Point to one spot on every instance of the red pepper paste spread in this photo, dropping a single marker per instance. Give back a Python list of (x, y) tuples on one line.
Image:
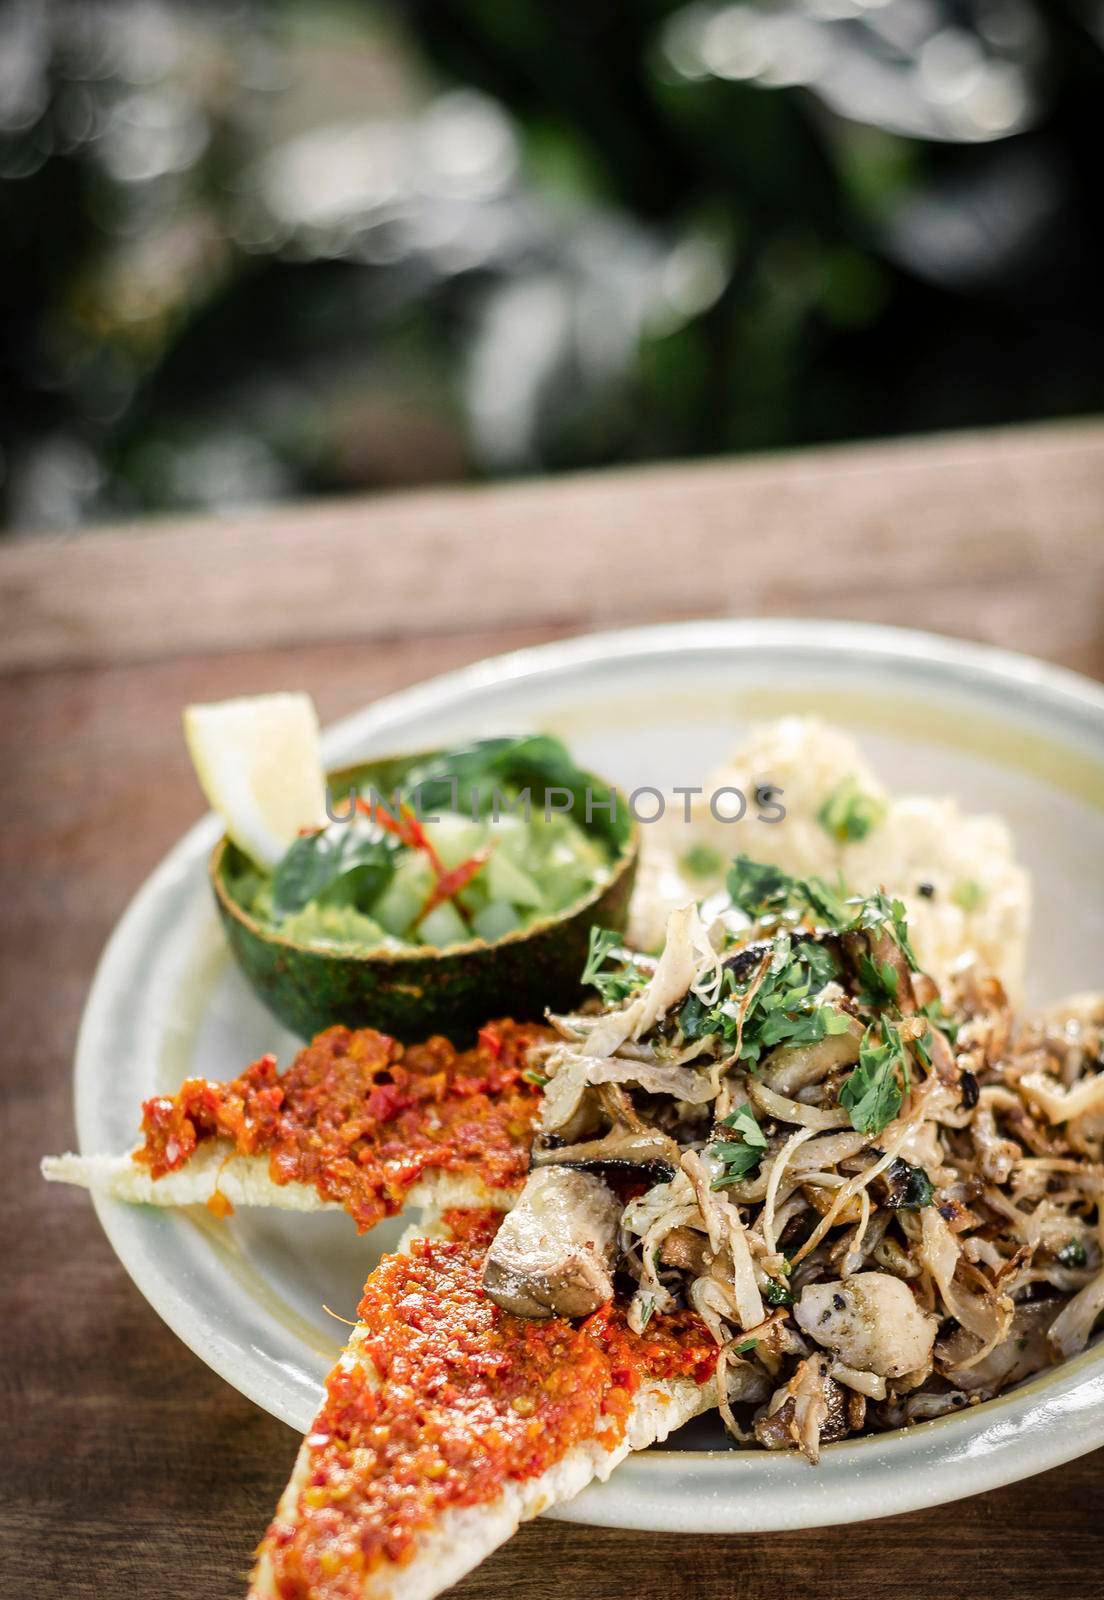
[(443, 1399), (362, 1118)]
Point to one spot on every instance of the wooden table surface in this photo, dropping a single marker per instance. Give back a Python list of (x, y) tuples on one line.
[(128, 1468)]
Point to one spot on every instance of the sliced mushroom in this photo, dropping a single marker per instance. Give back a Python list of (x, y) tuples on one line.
[(744, 963), (554, 1253), (870, 1320), (1023, 1352), (649, 1153), (675, 971), (686, 1249), (903, 1186), (794, 1067), (809, 1411)]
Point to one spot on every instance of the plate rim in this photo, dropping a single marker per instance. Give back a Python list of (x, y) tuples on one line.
[(641, 1495)]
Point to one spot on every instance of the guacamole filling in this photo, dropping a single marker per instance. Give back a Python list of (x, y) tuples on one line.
[(468, 844)]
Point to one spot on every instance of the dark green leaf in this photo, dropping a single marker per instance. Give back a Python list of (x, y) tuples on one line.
[(879, 983), (467, 779), (341, 862), (941, 1019), (695, 1018), (784, 1008), (742, 1155), (757, 888), (873, 1093), (605, 945)]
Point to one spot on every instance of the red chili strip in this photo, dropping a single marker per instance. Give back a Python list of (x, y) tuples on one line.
[(449, 884)]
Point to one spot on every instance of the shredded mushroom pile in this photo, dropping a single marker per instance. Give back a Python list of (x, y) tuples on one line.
[(883, 1202)]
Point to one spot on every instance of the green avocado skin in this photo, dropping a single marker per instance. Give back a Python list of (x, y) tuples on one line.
[(412, 997), (451, 992)]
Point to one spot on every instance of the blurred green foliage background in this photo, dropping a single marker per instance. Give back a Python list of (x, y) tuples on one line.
[(251, 251)]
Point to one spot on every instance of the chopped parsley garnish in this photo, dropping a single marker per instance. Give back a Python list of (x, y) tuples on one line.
[(941, 1019), (742, 1349), (647, 1310), (606, 945), (533, 1076), (778, 1006), (740, 1155), (967, 895), (879, 983), (848, 814), (759, 890), (702, 861), (873, 1094), (879, 911), (777, 1294), (1073, 1254), (695, 1018)]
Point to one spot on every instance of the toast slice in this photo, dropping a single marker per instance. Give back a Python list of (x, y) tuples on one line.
[(356, 1122), (217, 1177), (448, 1422)]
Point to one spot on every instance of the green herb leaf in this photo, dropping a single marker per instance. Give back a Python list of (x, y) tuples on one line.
[(743, 1121), (879, 983), (823, 901), (342, 862), (741, 1155), (468, 778), (757, 888), (777, 1294), (873, 1094), (941, 1019), (745, 1347), (784, 1008), (848, 814), (1073, 1254), (695, 1019), (605, 945), (879, 911)]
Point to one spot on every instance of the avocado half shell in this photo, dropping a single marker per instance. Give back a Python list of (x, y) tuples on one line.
[(416, 992)]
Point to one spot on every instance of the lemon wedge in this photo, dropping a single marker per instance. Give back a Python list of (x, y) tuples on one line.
[(258, 762)]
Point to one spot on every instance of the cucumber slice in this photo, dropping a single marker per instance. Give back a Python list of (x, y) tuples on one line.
[(443, 926), (455, 838), (398, 906), (507, 881), (511, 837), (496, 920)]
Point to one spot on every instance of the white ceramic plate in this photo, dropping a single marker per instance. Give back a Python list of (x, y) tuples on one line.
[(659, 706)]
